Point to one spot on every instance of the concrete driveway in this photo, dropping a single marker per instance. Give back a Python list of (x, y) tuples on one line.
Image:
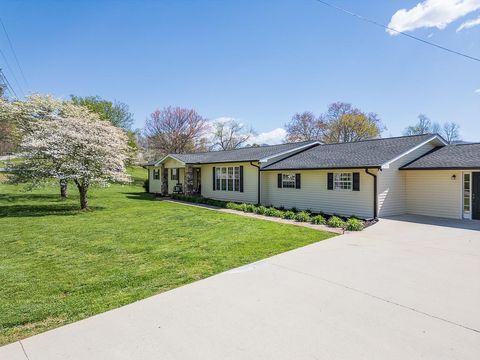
[(406, 288)]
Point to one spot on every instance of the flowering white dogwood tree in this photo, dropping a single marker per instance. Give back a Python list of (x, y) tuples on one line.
[(81, 150), (23, 114)]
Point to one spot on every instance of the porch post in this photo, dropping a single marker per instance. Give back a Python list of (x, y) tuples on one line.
[(164, 188), (189, 180)]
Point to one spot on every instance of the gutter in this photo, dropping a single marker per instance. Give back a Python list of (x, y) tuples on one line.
[(258, 185), (375, 197)]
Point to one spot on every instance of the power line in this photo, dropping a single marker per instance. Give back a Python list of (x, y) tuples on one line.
[(3, 79), (373, 22), (11, 71), (13, 52)]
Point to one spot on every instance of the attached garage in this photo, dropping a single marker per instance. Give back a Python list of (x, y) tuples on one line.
[(445, 182)]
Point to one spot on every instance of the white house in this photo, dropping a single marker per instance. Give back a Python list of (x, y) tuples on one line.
[(373, 178)]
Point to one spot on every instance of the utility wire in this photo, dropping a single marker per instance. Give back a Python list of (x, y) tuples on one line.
[(11, 71), (14, 53), (7, 83), (373, 22)]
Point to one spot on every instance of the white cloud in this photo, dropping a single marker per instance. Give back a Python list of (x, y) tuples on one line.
[(431, 14), (477, 91), (469, 24), (273, 137)]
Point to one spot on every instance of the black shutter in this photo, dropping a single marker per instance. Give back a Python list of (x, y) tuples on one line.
[(297, 181), (214, 179), (241, 178), (356, 181), (279, 180), (330, 181)]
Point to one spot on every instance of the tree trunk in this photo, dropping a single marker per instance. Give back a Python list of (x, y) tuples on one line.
[(63, 189), (83, 189)]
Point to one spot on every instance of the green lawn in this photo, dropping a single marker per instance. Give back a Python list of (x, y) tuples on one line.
[(59, 265)]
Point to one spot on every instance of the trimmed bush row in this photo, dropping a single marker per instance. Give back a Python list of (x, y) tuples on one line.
[(199, 200), (352, 224)]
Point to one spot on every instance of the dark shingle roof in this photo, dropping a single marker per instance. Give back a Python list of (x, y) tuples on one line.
[(460, 156), (243, 154), (367, 153)]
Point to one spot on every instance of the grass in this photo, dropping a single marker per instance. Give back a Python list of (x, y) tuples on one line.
[(59, 265)]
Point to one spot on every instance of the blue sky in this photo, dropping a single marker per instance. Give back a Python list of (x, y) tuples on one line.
[(257, 61)]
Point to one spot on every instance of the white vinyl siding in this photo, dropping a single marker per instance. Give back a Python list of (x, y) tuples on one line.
[(154, 186), (434, 193), (314, 195), (250, 188), (391, 184)]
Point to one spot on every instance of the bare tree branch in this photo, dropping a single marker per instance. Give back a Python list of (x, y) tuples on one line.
[(230, 134)]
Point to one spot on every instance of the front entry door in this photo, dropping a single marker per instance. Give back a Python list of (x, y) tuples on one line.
[(476, 195)]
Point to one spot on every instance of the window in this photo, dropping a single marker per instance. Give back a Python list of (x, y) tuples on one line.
[(466, 193), (174, 175), (342, 181), (224, 179), (156, 174), (230, 179), (227, 178), (288, 181), (236, 178), (217, 178)]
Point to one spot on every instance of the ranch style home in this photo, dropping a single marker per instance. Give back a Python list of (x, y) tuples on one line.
[(418, 174)]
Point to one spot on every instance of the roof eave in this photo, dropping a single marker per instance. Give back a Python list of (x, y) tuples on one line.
[(442, 168), (326, 168)]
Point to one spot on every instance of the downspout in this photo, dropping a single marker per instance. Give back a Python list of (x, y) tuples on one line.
[(258, 185), (375, 197)]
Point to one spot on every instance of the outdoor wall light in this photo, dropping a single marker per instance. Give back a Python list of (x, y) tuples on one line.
[(454, 177)]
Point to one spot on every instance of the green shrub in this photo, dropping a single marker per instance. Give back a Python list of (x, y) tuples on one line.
[(279, 213), (271, 211), (289, 215), (146, 185), (250, 208), (232, 206), (302, 216), (335, 221), (261, 210), (354, 224), (318, 220)]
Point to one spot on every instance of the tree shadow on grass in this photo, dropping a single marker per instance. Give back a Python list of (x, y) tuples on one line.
[(8, 198), (140, 196), (42, 210)]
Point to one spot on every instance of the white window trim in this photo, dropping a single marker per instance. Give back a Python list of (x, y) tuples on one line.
[(466, 215), (289, 181), (218, 176), (351, 181)]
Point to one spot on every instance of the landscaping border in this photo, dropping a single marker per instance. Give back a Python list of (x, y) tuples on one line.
[(326, 222)]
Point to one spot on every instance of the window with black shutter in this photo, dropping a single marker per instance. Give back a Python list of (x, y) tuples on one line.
[(330, 181), (297, 181), (356, 181)]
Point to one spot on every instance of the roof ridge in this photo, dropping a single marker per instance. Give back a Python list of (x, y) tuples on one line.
[(463, 144), (246, 147), (378, 139)]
